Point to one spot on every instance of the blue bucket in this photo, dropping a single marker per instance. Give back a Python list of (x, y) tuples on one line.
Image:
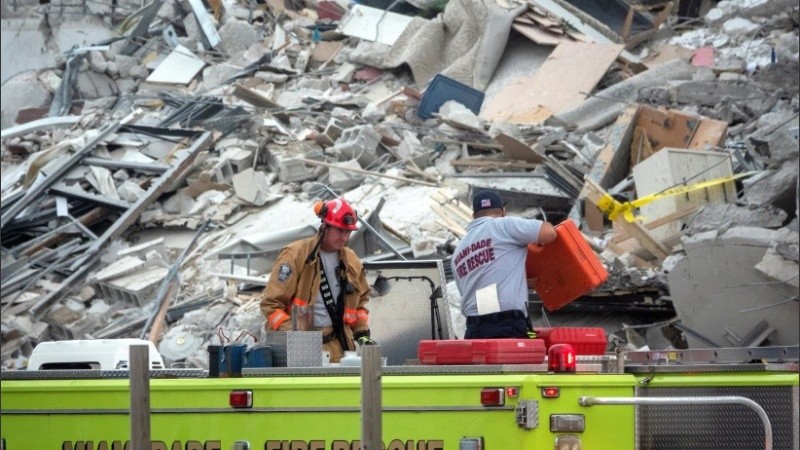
[(258, 356), (232, 360)]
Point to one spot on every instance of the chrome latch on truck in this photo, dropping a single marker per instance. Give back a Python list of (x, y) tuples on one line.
[(527, 413)]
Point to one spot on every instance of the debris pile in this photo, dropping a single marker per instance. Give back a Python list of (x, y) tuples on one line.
[(156, 158)]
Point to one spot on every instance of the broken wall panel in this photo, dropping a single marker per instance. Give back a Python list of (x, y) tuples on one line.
[(531, 99)]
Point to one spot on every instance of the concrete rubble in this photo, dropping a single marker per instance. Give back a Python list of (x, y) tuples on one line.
[(160, 160)]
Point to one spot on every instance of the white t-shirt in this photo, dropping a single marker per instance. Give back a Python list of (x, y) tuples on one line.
[(494, 251), (330, 261)]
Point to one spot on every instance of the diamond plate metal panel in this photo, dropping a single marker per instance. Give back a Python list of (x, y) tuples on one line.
[(716, 427), (295, 348), (405, 315)]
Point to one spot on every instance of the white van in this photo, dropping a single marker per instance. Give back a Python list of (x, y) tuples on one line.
[(103, 354)]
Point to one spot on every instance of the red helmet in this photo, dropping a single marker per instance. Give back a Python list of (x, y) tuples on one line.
[(337, 213)]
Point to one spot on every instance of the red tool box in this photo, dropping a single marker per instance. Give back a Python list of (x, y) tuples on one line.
[(585, 340), (565, 269), (482, 351)]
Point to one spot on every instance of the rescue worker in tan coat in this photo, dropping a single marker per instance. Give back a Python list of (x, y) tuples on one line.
[(322, 283)]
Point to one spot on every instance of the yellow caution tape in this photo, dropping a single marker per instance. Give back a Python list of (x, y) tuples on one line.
[(613, 208)]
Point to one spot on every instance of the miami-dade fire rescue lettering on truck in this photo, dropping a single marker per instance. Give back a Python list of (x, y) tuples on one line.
[(395, 444)]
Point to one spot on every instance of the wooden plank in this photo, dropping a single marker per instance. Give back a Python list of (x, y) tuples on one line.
[(564, 80), (670, 128), (476, 144), (594, 193), (453, 212), (254, 97), (365, 172), (461, 209), (667, 53), (326, 50), (656, 223), (457, 231), (543, 21), (537, 34), (593, 217), (453, 225), (492, 163), (516, 149), (524, 19)]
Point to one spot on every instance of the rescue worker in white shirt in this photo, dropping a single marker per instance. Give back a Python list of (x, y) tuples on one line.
[(322, 283), (491, 258)]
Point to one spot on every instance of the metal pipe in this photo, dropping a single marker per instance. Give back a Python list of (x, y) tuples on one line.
[(369, 227), (261, 281), (721, 400)]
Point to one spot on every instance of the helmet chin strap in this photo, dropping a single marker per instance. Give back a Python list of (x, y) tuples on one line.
[(313, 255)]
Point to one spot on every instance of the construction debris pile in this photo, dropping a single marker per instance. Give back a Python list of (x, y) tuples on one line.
[(156, 157)]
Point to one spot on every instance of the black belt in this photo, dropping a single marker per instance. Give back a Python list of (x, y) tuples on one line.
[(328, 337), (514, 314)]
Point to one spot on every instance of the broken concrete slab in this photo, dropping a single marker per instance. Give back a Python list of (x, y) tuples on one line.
[(774, 187), (712, 92), (360, 143), (776, 139), (779, 268), (717, 290), (343, 175), (137, 288), (21, 92), (253, 187), (717, 216), (602, 108), (236, 36), (45, 41), (125, 265)]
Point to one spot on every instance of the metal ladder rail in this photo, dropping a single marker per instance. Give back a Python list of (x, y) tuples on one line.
[(714, 400)]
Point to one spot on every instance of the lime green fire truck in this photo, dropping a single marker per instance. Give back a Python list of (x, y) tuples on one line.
[(735, 398)]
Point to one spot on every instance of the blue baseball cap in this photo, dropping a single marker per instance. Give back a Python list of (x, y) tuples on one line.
[(486, 200)]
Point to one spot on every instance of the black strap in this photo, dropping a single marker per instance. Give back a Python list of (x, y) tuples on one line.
[(513, 314), (336, 313)]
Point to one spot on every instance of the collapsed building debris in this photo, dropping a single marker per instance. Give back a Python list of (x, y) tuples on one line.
[(152, 172)]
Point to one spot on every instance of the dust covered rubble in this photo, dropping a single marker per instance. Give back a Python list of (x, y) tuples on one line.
[(290, 114)]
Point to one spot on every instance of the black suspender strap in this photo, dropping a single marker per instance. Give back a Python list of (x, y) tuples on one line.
[(337, 314)]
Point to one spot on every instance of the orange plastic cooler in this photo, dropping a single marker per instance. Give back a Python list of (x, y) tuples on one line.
[(565, 269)]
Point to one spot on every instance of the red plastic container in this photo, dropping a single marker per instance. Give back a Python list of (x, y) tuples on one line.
[(482, 351), (585, 340), (565, 269)]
